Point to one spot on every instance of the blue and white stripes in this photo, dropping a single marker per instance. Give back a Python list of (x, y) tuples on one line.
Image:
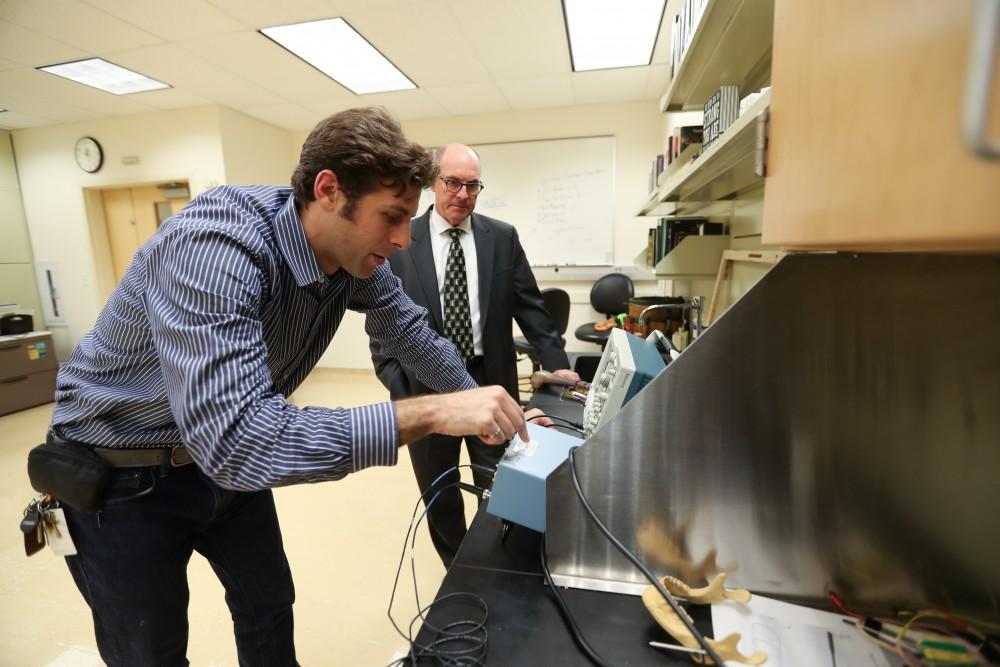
[(223, 313)]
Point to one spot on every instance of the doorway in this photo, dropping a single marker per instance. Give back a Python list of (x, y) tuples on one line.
[(133, 214)]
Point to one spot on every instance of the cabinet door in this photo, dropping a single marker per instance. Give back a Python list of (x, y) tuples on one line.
[(865, 148)]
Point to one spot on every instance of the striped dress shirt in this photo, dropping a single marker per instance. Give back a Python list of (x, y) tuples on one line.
[(220, 316)]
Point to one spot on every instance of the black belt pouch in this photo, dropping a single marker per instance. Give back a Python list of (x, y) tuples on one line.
[(71, 472)]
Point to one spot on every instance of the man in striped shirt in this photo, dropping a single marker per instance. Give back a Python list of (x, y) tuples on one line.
[(223, 313)]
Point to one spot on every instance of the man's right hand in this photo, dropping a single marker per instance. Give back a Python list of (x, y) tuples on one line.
[(488, 413)]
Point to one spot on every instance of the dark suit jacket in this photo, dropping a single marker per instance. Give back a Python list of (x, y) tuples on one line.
[(507, 291)]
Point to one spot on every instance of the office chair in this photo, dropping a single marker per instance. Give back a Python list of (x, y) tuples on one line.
[(557, 303), (609, 295)]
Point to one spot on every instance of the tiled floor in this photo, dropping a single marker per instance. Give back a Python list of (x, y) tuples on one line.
[(343, 540)]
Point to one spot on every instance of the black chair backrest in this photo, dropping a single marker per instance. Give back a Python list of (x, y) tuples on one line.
[(557, 303), (610, 294)]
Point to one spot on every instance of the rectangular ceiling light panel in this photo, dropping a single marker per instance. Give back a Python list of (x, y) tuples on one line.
[(109, 77), (604, 35), (335, 48)]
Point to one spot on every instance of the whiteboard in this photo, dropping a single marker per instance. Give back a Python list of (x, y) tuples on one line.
[(558, 193)]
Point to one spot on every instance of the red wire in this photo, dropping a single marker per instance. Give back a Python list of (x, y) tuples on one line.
[(840, 605)]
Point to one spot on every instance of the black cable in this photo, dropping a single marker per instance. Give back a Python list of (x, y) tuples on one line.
[(569, 424), (566, 614), (471, 640), (681, 614)]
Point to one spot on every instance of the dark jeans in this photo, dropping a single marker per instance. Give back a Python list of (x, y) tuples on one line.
[(131, 566)]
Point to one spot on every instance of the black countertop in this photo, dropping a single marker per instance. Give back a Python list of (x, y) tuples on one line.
[(524, 624)]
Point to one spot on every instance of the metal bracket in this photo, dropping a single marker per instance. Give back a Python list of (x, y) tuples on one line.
[(978, 85), (760, 149)]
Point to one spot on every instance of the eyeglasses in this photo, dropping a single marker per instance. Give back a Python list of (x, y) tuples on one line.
[(454, 186)]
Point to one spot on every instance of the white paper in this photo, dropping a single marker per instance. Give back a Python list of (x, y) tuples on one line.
[(57, 536), (793, 636)]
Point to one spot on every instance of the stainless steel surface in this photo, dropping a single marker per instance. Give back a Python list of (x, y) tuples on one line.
[(983, 50), (837, 429)]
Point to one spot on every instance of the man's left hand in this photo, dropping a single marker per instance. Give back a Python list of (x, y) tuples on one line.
[(567, 374), (532, 416)]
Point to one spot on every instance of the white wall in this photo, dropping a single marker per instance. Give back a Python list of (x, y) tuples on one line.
[(637, 130), (186, 144), (254, 151)]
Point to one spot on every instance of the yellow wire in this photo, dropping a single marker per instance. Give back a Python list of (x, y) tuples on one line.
[(914, 619), (968, 619)]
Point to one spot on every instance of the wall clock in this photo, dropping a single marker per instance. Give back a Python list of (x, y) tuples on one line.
[(89, 155)]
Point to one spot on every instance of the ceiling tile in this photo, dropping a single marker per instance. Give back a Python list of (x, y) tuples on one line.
[(33, 49), (192, 74), (466, 57), (172, 98), (516, 38), (287, 116), (174, 20), (256, 58), (424, 41), (470, 98), (66, 21), (609, 85), (257, 14), (29, 103), (12, 120), (349, 6), (555, 90), (404, 104)]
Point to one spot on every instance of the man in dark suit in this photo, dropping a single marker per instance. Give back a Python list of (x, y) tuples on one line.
[(470, 272)]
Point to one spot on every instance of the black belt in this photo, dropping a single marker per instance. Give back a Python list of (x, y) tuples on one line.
[(122, 457), (142, 458)]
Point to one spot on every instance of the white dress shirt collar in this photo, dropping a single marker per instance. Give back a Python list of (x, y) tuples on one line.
[(439, 225)]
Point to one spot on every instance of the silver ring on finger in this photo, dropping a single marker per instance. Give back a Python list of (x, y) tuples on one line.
[(498, 433)]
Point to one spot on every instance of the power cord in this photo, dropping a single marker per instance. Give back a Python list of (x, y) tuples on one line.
[(566, 614), (709, 651), (568, 424), (461, 643)]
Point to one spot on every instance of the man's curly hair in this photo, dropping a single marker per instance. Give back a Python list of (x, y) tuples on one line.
[(365, 147)]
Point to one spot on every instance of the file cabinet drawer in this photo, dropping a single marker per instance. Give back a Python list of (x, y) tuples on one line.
[(26, 391), (24, 355)]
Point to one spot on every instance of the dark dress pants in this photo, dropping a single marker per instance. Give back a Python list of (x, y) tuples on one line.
[(432, 456), (132, 557)]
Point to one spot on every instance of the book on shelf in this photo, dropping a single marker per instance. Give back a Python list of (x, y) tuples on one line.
[(681, 229), (687, 155), (721, 110), (682, 29), (680, 138), (669, 232)]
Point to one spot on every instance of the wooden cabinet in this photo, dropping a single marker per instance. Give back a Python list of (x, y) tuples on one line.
[(27, 371), (865, 143)]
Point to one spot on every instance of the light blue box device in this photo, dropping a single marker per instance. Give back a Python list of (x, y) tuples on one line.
[(518, 493)]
